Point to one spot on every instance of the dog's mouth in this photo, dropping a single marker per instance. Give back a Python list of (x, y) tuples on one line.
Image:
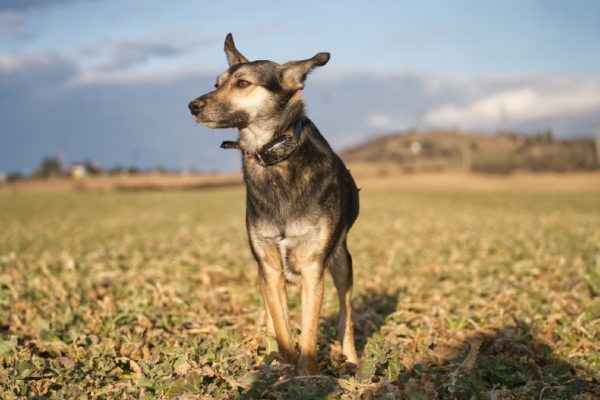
[(207, 123), (206, 120), (215, 124), (235, 120)]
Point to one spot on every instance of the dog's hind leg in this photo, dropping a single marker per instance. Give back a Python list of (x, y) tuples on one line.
[(341, 271)]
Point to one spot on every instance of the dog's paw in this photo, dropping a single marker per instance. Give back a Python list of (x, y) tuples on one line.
[(307, 366), (351, 357)]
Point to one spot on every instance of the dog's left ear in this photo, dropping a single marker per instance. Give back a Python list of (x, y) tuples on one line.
[(233, 55), (295, 72)]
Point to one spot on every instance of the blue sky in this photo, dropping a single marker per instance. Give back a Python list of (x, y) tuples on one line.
[(463, 37), (108, 80)]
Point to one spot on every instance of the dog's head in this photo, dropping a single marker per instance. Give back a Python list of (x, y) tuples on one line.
[(251, 92)]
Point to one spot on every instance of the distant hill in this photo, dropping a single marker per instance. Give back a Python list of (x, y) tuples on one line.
[(499, 153)]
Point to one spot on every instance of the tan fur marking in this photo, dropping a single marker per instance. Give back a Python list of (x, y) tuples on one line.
[(272, 285)]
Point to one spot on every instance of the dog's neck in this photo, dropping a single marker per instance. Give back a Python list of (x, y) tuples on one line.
[(269, 142)]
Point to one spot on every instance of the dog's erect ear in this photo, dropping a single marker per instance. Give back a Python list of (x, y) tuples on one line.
[(295, 72), (233, 55)]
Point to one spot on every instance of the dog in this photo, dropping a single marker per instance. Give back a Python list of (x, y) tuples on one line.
[(301, 200)]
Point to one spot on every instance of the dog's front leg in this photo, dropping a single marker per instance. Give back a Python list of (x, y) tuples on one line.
[(312, 297), (269, 319), (272, 285), (276, 299)]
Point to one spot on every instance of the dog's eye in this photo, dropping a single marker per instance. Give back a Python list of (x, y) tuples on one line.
[(216, 85), (242, 83)]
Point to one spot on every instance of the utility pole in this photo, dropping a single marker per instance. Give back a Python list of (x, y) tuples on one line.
[(420, 117), (61, 154)]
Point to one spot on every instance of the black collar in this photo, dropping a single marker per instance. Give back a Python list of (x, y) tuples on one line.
[(276, 150)]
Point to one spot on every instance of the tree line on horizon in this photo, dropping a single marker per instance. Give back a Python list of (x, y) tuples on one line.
[(413, 150)]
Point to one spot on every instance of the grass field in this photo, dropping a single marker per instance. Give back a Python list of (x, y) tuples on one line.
[(458, 294)]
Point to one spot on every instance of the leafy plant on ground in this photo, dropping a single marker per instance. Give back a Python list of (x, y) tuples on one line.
[(154, 295)]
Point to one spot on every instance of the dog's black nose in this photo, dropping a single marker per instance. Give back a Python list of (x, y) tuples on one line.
[(196, 106)]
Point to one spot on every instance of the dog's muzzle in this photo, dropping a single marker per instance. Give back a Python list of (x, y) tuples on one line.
[(196, 106)]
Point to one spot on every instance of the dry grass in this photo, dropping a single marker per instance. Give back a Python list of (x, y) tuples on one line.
[(459, 294), (368, 175), (104, 183), (390, 176)]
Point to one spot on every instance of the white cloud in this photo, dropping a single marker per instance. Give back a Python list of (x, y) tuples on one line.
[(558, 98), (14, 62), (379, 121), (131, 76), (137, 60), (131, 52), (132, 60)]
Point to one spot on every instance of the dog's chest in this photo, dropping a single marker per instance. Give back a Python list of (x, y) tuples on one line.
[(300, 243), (279, 194)]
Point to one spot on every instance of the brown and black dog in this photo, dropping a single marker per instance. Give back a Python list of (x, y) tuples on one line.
[(301, 199)]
